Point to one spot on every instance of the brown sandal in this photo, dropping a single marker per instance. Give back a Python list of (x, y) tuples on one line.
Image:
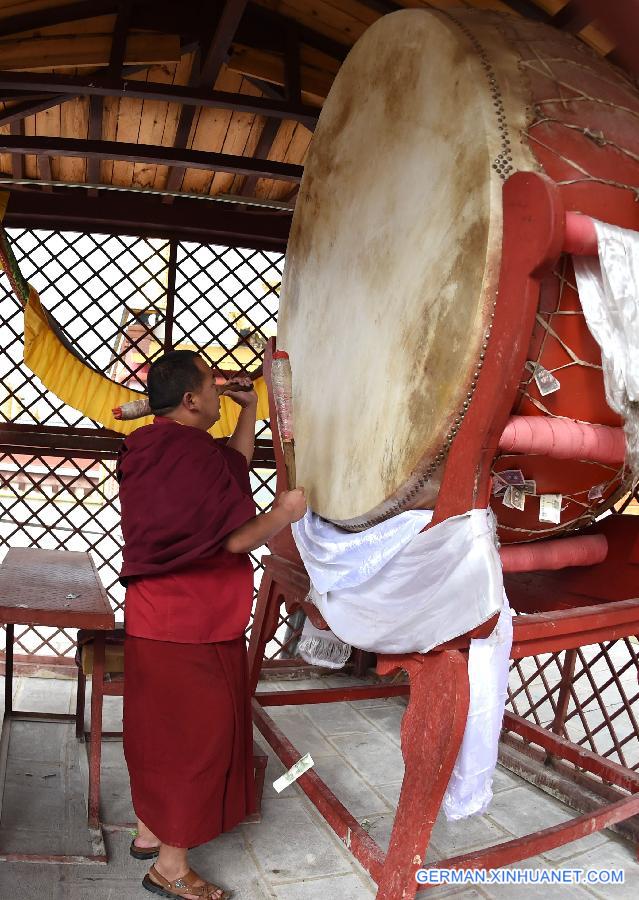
[(143, 852), (161, 886)]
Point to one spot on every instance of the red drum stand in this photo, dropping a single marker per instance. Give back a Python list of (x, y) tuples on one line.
[(556, 610)]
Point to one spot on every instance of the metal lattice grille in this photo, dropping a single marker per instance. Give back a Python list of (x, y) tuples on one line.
[(113, 302), (226, 303), (56, 503), (602, 693)]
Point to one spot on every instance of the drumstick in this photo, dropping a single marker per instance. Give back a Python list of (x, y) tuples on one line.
[(281, 379)]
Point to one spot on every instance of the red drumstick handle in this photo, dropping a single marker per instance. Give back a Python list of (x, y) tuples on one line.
[(134, 409), (581, 235), (282, 381)]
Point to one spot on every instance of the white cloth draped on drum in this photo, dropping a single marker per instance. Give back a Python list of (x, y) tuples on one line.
[(397, 589), (609, 294)]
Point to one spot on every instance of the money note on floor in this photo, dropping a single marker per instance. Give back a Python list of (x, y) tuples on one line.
[(302, 765)]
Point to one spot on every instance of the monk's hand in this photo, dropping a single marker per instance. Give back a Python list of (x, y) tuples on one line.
[(245, 396), (292, 503)]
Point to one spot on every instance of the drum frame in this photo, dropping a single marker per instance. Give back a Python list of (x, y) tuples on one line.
[(438, 689)]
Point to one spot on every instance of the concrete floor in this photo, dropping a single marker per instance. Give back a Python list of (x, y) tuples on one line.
[(293, 854)]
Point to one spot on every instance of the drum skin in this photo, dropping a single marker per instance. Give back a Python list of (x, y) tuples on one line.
[(393, 260)]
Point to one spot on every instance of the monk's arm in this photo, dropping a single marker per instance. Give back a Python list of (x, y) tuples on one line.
[(288, 507), (243, 438)]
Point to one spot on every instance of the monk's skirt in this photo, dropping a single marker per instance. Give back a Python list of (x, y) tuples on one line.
[(188, 737)]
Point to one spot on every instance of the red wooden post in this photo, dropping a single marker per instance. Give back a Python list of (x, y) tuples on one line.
[(95, 748), (8, 670), (567, 672), (80, 700), (432, 731), (264, 625)]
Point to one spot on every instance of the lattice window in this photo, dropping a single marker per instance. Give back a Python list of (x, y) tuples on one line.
[(603, 694), (56, 503), (107, 293), (226, 303), (110, 297)]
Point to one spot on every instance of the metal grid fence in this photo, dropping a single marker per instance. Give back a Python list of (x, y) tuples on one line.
[(593, 706), (119, 302)]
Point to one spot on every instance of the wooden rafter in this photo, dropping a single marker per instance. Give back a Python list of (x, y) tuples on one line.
[(206, 76), (264, 145), (292, 66), (290, 51), (55, 15), (259, 26), (277, 108), (169, 17), (112, 213), (17, 160), (114, 73), (155, 155), (44, 168), (27, 108), (219, 47)]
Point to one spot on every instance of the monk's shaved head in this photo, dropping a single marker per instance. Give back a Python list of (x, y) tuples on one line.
[(171, 377)]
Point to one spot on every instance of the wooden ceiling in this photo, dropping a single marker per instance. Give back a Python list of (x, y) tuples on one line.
[(194, 99)]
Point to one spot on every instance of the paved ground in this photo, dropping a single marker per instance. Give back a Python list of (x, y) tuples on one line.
[(293, 854)]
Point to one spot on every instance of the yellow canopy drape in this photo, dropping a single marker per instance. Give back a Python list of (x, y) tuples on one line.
[(91, 393)]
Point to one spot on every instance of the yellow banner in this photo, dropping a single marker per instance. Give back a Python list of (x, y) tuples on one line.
[(91, 393)]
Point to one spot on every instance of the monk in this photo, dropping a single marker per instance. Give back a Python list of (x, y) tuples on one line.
[(189, 522)]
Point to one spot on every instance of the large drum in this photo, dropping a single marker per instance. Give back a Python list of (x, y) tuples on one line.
[(395, 250)]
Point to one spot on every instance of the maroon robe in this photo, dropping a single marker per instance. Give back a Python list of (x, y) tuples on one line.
[(187, 721), (181, 494)]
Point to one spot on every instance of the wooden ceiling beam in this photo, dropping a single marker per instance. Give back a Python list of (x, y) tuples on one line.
[(203, 221), (66, 88), (89, 51), (292, 66), (118, 43), (44, 169), (264, 145), (169, 17), (114, 73), (17, 159), (29, 108), (272, 91), (265, 18), (55, 15), (219, 47), (96, 109), (259, 27), (206, 76), (154, 155), (16, 94)]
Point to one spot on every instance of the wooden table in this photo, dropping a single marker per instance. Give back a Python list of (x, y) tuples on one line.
[(60, 589)]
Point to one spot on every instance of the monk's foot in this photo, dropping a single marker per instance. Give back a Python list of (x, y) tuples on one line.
[(145, 844), (145, 837)]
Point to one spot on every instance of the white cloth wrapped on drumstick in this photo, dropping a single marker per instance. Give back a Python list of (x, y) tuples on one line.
[(396, 589)]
